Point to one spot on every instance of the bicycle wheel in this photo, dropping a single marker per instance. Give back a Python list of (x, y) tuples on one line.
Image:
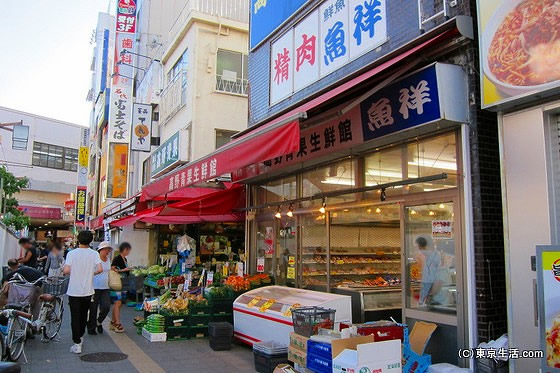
[(15, 340), (54, 320)]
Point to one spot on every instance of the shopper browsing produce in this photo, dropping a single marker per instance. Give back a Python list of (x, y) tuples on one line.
[(120, 265), (101, 298)]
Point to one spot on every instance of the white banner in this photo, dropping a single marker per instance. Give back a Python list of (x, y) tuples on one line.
[(141, 131), (327, 39), (120, 110)]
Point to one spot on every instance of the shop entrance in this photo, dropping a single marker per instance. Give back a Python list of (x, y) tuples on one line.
[(432, 265)]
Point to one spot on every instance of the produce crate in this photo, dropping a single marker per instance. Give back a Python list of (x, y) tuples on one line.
[(222, 308), (266, 363), (319, 364), (198, 332), (196, 308), (220, 329), (176, 320), (319, 349), (148, 313), (220, 343), (154, 337), (177, 333), (222, 317), (199, 319)]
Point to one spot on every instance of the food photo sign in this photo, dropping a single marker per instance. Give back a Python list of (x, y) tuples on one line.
[(548, 283), (520, 49)]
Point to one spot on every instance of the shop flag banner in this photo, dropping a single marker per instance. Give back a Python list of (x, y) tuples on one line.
[(141, 132), (166, 155), (327, 39), (83, 158), (268, 15), (518, 63), (81, 198), (548, 288)]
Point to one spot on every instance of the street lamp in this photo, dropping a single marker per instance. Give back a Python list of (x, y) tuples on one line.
[(20, 134)]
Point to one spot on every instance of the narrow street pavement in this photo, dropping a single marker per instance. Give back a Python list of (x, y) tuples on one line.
[(143, 356)]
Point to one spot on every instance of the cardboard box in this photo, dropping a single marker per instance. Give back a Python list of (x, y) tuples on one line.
[(420, 336), (154, 337), (298, 341), (415, 344), (295, 355), (362, 354)]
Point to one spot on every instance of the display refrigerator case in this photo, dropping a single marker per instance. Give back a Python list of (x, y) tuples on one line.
[(264, 314), (371, 304)]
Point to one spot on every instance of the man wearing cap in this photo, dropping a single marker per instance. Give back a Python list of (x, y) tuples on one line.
[(101, 297)]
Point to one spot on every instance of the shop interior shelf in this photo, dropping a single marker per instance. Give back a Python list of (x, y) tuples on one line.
[(352, 254), (353, 263)]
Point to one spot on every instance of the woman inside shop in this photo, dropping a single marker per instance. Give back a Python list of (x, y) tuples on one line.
[(433, 273), (120, 265)]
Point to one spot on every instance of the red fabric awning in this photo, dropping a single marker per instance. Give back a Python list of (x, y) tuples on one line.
[(225, 218), (219, 203), (192, 192), (268, 143), (96, 223)]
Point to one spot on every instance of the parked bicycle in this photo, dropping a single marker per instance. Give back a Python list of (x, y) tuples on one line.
[(20, 319)]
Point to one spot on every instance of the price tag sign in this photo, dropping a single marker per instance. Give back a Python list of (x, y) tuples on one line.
[(188, 281), (267, 305), (254, 302), (292, 261), (240, 266), (288, 312), (225, 269), (209, 279), (291, 273), (260, 264)]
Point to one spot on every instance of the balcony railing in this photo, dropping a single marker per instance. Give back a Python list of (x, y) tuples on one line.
[(231, 85), (236, 10), (173, 97)]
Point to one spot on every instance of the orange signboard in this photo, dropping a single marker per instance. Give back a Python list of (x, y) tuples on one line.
[(117, 171)]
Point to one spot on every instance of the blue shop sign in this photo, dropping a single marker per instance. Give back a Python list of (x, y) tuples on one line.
[(268, 15), (434, 93)]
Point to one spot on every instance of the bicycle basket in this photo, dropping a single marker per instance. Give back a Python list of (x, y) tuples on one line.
[(56, 285), (22, 294)]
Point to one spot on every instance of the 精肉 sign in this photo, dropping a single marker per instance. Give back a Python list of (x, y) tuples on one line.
[(328, 38)]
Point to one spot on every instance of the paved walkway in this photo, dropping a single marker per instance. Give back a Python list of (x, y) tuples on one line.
[(143, 356)]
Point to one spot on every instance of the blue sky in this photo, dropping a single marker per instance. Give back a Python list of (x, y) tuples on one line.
[(46, 55)]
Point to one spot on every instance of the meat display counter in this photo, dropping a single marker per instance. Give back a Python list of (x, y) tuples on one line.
[(373, 303), (264, 314)]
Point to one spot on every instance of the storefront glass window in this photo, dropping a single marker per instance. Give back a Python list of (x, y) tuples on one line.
[(384, 167), (430, 256), (287, 247), (337, 176), (430, 157), (277, 191), (265, 241), (366, 248), (314, 243)]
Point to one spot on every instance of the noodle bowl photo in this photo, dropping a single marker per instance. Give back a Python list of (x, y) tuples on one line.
[(523, 46)]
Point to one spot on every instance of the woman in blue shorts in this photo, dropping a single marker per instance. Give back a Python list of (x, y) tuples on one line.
[(120, 265)]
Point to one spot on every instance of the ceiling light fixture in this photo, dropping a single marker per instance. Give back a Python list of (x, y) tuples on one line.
[(323, 209), (290, 211), (378, 210), (383, 195), (278, 214)]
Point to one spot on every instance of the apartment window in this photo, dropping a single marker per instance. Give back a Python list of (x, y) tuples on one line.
[(223, 137), (179, 67), (231, 72), (54, 156)]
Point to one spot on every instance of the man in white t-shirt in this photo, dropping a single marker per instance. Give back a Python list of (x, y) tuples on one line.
[(81, 264)]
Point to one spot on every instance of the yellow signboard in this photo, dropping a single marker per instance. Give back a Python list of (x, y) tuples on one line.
[(83, 156)]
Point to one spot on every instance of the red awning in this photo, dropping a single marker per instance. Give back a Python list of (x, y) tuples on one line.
[(219, 203), (274, 141), (225, 218), (192, 192)]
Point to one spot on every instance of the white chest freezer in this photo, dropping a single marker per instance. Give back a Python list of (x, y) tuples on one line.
[(260, 314)]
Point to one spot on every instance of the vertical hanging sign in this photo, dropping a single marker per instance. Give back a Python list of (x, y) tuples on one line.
[(120, 105), (141, 131), (81, 188)]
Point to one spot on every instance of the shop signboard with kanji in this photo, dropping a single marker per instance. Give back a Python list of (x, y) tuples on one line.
[(328, 38), (435, 93), (167, 154), (126, 16), (141, 132), (268, 15), (81, 196)]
